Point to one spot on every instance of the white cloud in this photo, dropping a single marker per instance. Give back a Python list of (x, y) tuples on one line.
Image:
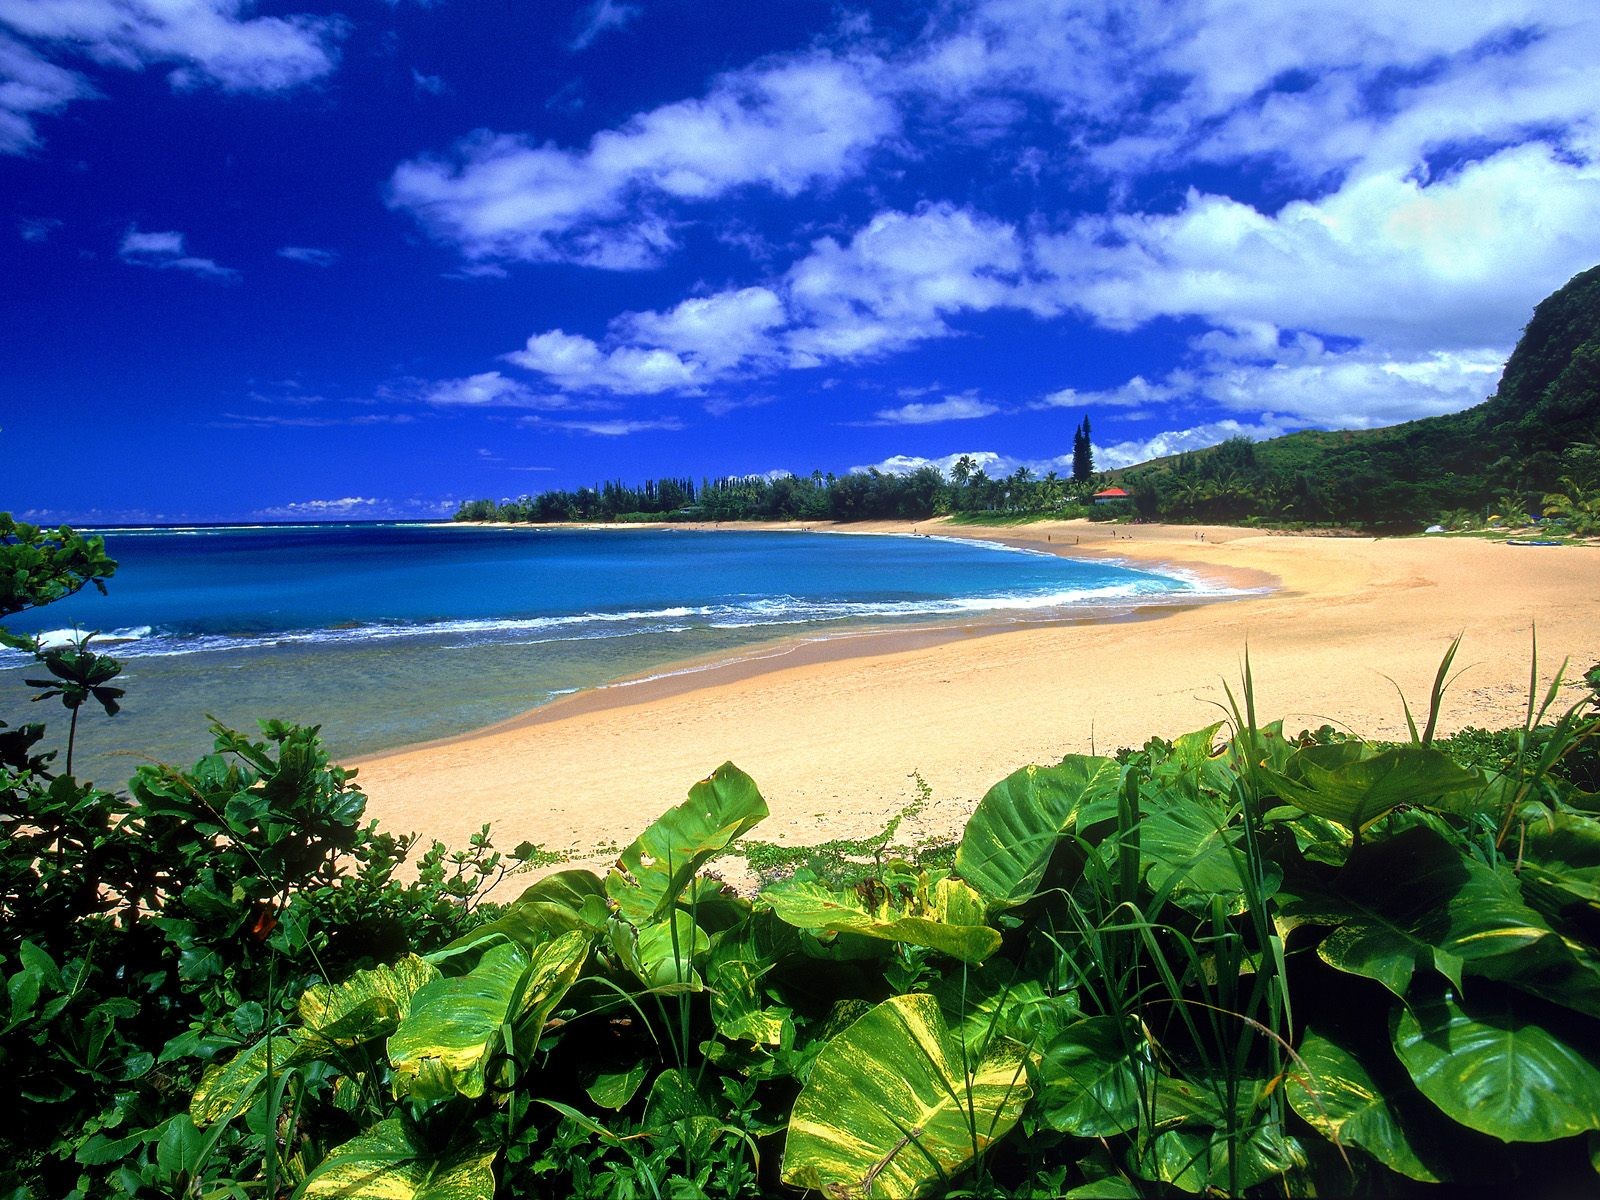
[(966, 407), (1138, 392), (992, 464), (1456, 263), (576, 363), (718, 333), (599, 17), (214, 42), (30, 85), (359, 508), (619, 427), (897, 280), (490, 389), (165, 251), (785, 127), (1176, 441), (428, 85), (309, 255)]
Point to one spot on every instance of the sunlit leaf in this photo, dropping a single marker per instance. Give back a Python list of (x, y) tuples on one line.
[(944, 915), (385, 1163), (1499, 1072), (889, 1107), (1334, 1093), (657, 866), (1015, 828)]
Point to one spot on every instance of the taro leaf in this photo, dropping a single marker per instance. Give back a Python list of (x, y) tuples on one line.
[(1563, 854), (386, 1163), (455, 1027), (1191, 759), (944, 915), (664, 952), (1495, 1071), (1350, 784), (889, 1107), (738, 1009), (555, 905), (614, 1089), (1088, 1083), (1196, 1160), (1188, 849), (1414, 901), (1334, 1094), (659, 864), (1015, 828), (992, 1001), (226, 1089), (368, 1005)]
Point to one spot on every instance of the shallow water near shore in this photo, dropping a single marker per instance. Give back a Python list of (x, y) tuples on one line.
[(393, 634)]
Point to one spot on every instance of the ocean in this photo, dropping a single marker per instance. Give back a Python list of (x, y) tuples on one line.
[(387, 634)]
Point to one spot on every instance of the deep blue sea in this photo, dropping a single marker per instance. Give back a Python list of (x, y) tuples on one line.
[(395, 633)]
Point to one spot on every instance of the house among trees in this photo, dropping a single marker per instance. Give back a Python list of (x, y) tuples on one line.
[(1110, 494)]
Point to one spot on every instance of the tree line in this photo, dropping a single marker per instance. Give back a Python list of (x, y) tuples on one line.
[(855, 496)]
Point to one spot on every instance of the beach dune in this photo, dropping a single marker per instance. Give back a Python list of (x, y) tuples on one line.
[(833, 731)]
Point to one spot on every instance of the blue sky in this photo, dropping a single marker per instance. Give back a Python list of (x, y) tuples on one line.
[(287, 260)]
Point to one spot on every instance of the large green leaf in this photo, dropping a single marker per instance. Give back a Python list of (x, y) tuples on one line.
[(1088, 1083), (456, 1025), (889, 1107), (1494, 1070), (554, 905), (1562, 853), (1189, 850), (1334, 1094), (663, 953), (656, 867), (1012, 833), (1350, 783), (226, 1089), (941, 914), (368, 1005), (385, 1163), (1414, 901)]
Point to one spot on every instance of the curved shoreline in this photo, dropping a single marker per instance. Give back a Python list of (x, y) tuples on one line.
[(681, 677), (831, 738)]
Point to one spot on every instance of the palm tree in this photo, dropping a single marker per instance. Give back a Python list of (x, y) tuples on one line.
[(1577, 506), (962, 471)]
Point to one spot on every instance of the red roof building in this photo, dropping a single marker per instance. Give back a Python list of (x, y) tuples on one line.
[(1110, 494)]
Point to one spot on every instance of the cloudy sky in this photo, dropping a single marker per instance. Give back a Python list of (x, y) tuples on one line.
[(286, 259)]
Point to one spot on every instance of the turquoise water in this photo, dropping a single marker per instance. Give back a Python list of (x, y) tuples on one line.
[(388, 634)]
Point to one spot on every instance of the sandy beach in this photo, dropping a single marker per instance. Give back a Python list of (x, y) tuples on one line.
[(833, 731)]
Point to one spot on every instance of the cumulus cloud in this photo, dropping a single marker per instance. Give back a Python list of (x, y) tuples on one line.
[(1176, 441), (489, 389), (1387, 257), (803, 121), (895, 282), (165, 251), (987, 461), (966, 407), (206, 43)]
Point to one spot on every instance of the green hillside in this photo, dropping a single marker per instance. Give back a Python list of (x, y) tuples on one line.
[(1535, 435)]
